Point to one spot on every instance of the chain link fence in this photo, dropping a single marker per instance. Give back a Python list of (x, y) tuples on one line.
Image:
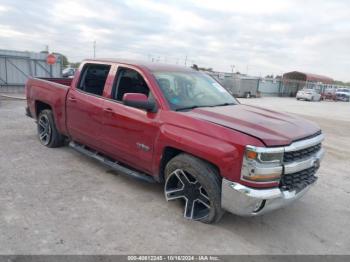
[(244, 86)]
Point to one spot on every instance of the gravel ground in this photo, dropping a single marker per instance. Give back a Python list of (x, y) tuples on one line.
[(56, 201)]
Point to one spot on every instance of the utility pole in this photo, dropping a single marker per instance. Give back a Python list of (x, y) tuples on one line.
[(186, 61), (233, 69), (94, 49)]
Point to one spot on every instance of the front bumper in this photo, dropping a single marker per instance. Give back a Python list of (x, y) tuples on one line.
[(246, 201), (342, 97), (304, 97)]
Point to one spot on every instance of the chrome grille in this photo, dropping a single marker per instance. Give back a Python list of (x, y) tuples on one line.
[(301, 154), (299, 180)]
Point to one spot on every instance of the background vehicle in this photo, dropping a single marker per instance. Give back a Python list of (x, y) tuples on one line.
[(308, 94), (179, 127), (329, 94), (243, 87), (343, 94), (68, 72), (238, 86)]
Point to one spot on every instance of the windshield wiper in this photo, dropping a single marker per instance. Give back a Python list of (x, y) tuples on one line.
[(196, 106), (223, 104), (187, 108)]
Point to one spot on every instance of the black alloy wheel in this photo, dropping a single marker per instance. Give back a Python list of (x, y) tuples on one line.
[(182, 185)]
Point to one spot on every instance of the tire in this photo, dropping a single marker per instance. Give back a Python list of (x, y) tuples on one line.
[(47, 132), (198, 184)]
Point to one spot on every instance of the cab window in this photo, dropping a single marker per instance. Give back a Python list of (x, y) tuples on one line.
[(129, 81), (93, 78)]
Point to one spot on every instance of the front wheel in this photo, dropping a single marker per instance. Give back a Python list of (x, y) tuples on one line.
[(197, 184), (47, 131)]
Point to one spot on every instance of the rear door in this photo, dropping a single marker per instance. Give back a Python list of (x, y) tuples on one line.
[(129, 133), (85, 104)]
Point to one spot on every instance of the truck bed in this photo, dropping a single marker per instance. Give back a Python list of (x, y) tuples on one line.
[(62, 81), (50, 92)]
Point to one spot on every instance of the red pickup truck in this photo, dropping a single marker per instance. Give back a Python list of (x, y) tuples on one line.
[(181, 128)]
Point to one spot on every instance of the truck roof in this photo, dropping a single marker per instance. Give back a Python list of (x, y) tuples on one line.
[(151, 66)]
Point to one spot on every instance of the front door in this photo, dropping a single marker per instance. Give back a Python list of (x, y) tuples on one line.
[(129, 133)]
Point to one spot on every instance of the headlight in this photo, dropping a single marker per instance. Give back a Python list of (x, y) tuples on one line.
[(261, 164)]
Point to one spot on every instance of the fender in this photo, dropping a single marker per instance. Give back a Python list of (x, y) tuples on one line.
[(227, 157)]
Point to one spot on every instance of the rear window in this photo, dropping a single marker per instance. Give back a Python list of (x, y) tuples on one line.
[(93, 78)]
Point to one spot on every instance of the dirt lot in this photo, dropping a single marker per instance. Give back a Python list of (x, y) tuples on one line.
[(56, 201)]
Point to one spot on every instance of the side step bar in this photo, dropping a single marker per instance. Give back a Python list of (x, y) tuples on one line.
[(110, 163)]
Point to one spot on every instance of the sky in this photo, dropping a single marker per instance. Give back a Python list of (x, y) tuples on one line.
[(250, 36)]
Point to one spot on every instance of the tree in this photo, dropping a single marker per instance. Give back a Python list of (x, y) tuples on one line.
[(75, 65), (341, 83), (65, 61), (196, 67)]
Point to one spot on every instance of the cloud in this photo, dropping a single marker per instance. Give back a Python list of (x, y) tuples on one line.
[(265, 37)]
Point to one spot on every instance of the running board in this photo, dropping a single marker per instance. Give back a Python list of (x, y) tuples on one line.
[(110, 163)]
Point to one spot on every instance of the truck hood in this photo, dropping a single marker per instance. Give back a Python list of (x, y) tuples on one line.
[(272, 128)]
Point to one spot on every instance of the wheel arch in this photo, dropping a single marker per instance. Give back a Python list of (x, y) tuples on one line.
[(40, 106), (169, 152)]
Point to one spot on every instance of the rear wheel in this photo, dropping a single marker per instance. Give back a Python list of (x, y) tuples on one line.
[(47, 131), (197, 184)]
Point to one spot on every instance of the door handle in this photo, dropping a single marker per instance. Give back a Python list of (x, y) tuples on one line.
[(72, 99), (108, 110)]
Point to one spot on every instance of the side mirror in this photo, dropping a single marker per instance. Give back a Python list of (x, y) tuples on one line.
[(140, 101)]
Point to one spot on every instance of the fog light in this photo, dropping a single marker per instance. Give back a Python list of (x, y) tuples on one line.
[(259, 206)]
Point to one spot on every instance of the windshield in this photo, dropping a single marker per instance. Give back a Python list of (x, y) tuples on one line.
[(187, 90), (343, 90)]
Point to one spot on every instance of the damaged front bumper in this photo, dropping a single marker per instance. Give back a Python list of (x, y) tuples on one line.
[(246, 201)]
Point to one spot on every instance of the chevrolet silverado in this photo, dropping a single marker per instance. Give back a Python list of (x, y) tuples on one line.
[(181, 128)]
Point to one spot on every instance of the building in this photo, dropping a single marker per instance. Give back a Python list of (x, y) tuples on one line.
[(295, 80)]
